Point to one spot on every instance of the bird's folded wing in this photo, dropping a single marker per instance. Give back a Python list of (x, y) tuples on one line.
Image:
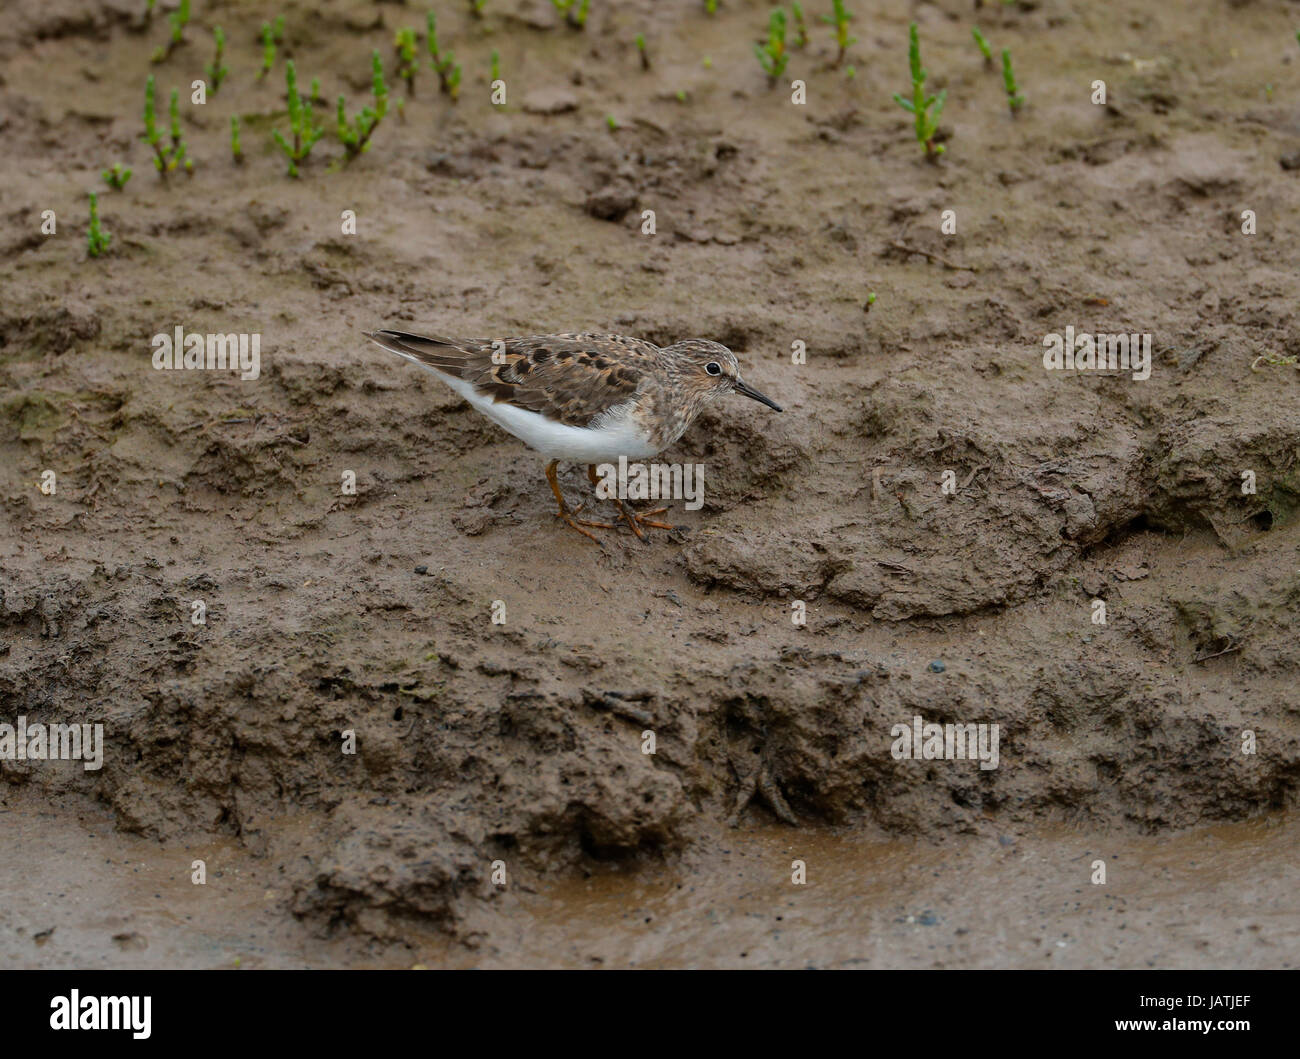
[(570, 378)]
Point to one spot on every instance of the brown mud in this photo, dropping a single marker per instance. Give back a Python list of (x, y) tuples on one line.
[(521, 742), (81, 895)]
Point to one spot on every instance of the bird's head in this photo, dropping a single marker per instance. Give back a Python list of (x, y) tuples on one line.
[(709, 370)]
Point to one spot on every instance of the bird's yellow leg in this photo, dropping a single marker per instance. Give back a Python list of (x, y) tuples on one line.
[(564, 514)]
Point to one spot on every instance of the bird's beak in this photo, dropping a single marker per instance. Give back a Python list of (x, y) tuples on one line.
[(749, 391)]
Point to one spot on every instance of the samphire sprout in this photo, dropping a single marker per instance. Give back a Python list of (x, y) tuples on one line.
[(925, 109)]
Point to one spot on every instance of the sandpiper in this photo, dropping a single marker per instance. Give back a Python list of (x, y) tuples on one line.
[(584, 398)]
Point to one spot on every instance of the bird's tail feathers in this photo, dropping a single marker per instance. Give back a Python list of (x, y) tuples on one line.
[(428, 351)]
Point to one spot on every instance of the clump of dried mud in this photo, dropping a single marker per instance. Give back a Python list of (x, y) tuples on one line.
[(522, 742)]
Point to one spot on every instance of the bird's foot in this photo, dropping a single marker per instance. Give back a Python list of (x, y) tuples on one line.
[(760, 782), (636, 521), (569, 518), (566, 515)]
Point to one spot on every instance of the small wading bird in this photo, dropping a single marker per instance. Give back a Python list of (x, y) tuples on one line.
[(583, 398)]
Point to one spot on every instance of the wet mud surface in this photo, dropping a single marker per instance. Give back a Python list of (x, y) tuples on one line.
[(80, 894), (521, 743)]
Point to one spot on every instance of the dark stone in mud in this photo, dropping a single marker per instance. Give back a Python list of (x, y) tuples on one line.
[(421, 569), (936, 666), (611, 203), (1290, 161)]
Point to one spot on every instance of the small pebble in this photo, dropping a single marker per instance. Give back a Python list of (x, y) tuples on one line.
[(937, 667), (422, 569)]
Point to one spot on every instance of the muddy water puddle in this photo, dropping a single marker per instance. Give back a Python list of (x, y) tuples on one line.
[(1217, 896), (76, 893)]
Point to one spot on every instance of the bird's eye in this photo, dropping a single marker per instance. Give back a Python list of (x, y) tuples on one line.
[(713, 368)]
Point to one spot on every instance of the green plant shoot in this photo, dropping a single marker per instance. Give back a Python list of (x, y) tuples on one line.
[(983, 45), (98, 239), (641, 50), (151, 135), (217, 70), (177, 21), (800, 27), (178, 144), (355, 136), (236, 151), (773, 56), (377, 86), (170, 156), (574, 11), (444, 66), (404, 46), (302, 123), (116, 177), (840, 19), (268, 50), (1014, 99), (496, 66), (926, 109)]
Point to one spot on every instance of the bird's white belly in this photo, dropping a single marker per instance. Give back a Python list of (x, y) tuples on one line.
[(559, 441)]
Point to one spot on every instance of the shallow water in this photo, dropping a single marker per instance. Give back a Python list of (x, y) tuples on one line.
[(78, 894), (1217, 896)]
